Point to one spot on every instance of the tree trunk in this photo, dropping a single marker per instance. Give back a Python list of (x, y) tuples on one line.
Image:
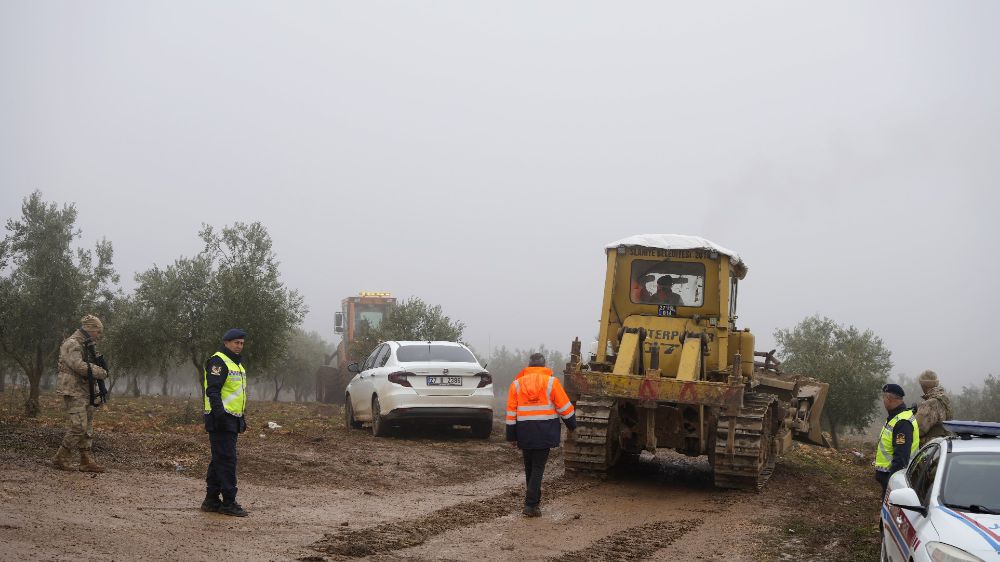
[(3, 380), (164, 379), (833, 430), (135, 385), (277, 389), (31, 406), (199, 366)]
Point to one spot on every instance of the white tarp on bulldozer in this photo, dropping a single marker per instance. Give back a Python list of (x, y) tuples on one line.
[(677, 242)]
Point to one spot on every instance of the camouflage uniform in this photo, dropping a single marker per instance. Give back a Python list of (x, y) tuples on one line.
[(73, 387), (935, 409)]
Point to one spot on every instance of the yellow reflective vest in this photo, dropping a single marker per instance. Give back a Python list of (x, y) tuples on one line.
[(234, 396), (883, 457)]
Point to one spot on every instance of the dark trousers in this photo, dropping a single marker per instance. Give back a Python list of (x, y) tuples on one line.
[(221, 476), (883, 479), (534, 467)]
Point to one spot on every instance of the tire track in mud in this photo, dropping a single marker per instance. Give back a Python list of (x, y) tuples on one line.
[(634, 543), (397, 535)]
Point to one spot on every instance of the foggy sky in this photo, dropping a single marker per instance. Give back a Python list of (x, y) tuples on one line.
[(479, 155)]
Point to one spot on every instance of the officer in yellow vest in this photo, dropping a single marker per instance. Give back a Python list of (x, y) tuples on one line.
[(224, 381), (900, 435)]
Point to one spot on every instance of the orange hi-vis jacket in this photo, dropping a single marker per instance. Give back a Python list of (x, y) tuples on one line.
[(535, 403)]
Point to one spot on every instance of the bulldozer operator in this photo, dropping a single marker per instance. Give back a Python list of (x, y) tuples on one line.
[(664, 289)]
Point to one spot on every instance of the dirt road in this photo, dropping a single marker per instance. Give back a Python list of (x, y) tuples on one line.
[(317, 491)]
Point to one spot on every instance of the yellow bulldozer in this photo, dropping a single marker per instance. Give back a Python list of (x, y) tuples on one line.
[(671, 370)]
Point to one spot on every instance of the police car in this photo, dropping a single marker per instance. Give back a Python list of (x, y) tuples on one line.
[(946, 504)]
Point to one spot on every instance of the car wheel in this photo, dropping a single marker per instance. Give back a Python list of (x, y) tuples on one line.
[(482, 429), (379, 427), (349, 420)]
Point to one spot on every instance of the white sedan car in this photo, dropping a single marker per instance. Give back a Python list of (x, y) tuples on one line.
[(946, 504), (430, 381)]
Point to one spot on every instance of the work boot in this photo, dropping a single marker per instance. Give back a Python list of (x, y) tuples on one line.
[(87, 462), (211, 503), (530, 511), (232, 508), (62, 459)]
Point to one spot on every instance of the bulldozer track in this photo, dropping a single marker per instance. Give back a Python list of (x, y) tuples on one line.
[(589, 451), (752, 460)]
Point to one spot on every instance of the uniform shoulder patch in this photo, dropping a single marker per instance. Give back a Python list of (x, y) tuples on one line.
[(900, 438), (216, 370)]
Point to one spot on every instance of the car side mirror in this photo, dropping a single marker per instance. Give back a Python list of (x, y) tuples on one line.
[(353, 367), (906, 498)]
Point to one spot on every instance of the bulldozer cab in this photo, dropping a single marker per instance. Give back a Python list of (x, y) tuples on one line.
[(666, 289)]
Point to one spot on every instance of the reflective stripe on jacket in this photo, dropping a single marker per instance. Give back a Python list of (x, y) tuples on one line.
[(535, 403), (234, 397), (883, 457)]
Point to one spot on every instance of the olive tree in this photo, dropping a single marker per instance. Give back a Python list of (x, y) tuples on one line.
[(854, 362), (296, 369), (977, 402), (133, 342), (46, 286), (233, 282)]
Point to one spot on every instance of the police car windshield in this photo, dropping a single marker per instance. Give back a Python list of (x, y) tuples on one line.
[(970, 482), (445, 353)]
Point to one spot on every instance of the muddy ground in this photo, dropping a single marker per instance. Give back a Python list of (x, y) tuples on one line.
[(317, 491)]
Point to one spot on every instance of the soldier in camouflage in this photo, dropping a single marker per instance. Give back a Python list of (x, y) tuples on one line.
[(935, 408), (76, 396)]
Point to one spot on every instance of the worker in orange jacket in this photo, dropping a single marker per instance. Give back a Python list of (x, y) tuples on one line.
[(535, 403)]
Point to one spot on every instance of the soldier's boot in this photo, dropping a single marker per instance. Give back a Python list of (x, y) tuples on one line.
[(63, 459), (212, 503), (232, 508), (87, 462)]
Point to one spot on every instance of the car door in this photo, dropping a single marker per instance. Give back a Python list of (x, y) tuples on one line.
[(377, 372), (361, 392), (908, 527)]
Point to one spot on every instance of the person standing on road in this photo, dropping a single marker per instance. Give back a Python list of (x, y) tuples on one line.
[(535, 402), (935, 408), (224, 381), (77, 357), (900, 436)]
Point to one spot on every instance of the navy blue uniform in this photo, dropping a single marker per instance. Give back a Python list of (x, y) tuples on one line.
[(222, 428)]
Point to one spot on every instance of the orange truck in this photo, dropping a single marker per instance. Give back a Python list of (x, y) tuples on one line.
[(368, 308)]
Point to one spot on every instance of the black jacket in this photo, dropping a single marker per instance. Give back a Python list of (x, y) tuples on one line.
[(219, 419)]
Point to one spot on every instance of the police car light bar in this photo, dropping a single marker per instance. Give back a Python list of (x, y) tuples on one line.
[(982, 429)]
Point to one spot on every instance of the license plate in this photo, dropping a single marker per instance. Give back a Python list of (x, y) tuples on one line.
[(444, 381)]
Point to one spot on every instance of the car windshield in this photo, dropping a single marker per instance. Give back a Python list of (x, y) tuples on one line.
[(429, 352), (970, 480), (668, 282)]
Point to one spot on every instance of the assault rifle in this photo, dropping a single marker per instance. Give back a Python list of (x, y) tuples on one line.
[(98, 390)]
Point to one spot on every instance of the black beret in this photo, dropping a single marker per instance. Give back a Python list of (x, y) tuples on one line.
[(893, 388), (234, 334)]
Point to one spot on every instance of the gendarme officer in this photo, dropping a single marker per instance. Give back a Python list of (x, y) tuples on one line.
[(900, 436), (225, 385)]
